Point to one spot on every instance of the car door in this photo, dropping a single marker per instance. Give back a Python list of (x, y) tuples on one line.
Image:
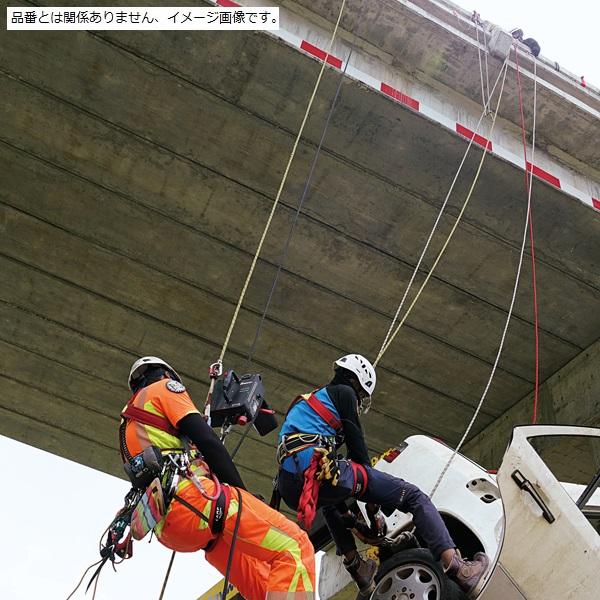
[(548, 483)]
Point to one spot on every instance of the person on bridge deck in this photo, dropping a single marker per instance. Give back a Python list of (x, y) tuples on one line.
[(272, 558), (311, 476)]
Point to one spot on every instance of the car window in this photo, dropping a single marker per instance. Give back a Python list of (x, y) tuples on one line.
[(575, 461)]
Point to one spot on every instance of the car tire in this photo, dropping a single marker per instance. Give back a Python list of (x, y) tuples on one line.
[(415, 575)]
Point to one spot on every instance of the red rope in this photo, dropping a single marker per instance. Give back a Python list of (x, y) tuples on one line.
[(533, 271)]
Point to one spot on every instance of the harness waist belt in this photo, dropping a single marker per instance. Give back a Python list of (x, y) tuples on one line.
[(296, 442)]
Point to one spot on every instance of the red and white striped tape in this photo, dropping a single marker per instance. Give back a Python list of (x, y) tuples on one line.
[(417, 106)]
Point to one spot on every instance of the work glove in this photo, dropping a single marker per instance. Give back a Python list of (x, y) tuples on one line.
[(349, 519), (364, 532), (377, 523)]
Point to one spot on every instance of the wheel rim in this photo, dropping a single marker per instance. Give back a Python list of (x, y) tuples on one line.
[(409, 582)]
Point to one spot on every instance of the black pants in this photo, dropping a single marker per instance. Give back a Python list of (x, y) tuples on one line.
[(390, 492)]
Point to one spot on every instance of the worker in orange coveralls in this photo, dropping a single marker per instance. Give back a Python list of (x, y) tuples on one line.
[(272, 557)]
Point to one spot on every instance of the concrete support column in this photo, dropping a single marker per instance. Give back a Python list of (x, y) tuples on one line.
[(570, 396)]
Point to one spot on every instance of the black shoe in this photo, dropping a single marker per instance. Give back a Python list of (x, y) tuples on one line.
[(363, 573)]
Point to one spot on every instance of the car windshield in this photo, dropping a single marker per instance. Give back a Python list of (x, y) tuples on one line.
[(575, 461)]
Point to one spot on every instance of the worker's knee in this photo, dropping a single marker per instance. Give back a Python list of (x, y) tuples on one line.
[(392, 492)]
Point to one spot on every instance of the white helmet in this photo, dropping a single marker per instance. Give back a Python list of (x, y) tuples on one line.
[(362, 368), (140, 366)]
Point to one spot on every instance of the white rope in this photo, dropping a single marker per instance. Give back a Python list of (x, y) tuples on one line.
[(437, 220), (454, 227), (487, 72), (281, 185), (514, 294), (483, 100)]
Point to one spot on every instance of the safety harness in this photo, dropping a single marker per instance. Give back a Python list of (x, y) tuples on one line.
[(169, 468), (155, 475), (323, 465), (294, 443), (144, 417), (148, 418)]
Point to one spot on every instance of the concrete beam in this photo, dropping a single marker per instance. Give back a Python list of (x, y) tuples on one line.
[(137, 173), (436, 43)]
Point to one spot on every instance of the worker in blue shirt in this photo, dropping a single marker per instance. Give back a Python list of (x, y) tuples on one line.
[(311, 476)]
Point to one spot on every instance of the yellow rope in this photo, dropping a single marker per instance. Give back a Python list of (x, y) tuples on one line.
[(458, 219), (281, 185)]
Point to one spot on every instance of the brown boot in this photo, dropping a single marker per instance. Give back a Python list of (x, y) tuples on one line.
[(467, 573), (363, 573)]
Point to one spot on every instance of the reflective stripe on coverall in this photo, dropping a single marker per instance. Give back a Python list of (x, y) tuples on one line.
[(273, 558)]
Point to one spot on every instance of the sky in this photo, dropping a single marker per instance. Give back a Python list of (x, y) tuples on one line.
[(54, 510), (51, 527), (566, 31)]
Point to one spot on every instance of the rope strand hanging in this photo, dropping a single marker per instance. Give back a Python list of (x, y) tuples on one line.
[(300, 205), (512, 302), (484, 101), (164, 585), (281, 186), (390, 338), (528, 182), (438, 218), (285, 251)]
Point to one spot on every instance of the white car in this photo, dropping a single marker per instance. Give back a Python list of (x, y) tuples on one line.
[(538, 519)]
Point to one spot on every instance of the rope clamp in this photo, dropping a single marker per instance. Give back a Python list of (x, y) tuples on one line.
[(215, 370)]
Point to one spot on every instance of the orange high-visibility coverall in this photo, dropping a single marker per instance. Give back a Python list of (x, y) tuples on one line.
[(272, 558)]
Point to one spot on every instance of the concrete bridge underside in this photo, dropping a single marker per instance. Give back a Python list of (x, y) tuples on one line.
[(138, 170)]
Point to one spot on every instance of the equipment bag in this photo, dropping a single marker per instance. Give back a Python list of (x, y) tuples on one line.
[(149, 511)]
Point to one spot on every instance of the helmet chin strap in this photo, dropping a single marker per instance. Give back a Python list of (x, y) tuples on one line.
[(365, 406), (364, 402)]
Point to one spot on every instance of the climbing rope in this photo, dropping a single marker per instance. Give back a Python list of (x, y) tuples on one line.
[(391, 335), (487, 72), (307, 183), (164, 585), (233, 541), (528, 182), (292, 228), (438, 218), (82, 578), (477, 24), (281, 186), (510, 310)]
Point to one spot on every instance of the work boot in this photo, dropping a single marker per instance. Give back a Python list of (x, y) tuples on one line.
[(467, 573), (363, 573)]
